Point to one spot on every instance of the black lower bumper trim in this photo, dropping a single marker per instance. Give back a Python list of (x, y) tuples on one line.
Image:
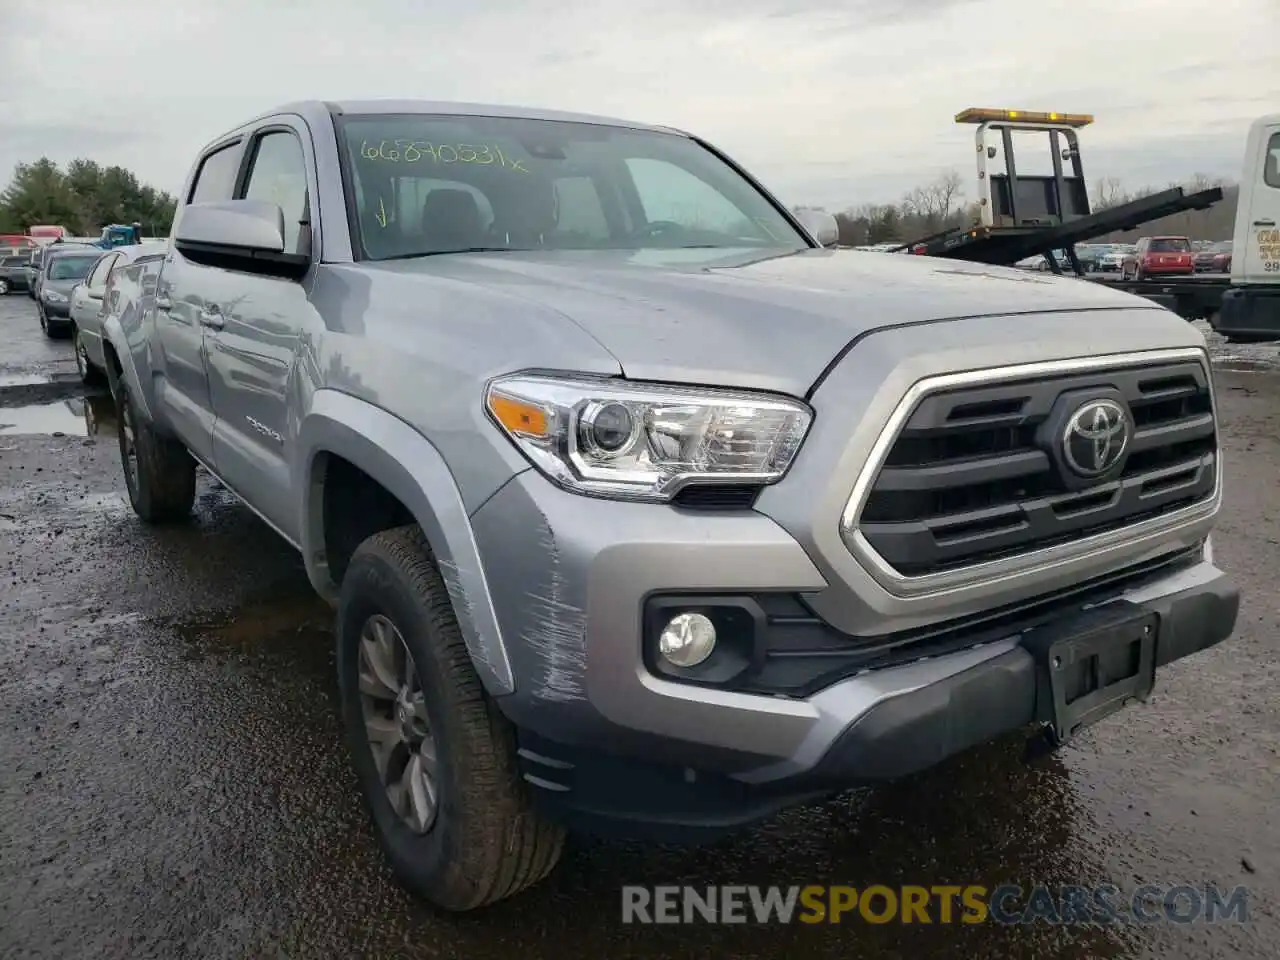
[(899, 736)]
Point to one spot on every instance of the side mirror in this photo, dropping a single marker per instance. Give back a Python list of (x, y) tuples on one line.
[(821, 225), (243, 235)]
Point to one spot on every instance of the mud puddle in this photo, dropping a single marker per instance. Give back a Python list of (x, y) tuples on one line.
[(77, 417)]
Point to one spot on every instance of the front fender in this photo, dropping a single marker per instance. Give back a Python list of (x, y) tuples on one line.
[(139, 386), (409, 466)]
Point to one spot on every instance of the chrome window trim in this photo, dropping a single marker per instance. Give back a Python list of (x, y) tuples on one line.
[(1034, 560)]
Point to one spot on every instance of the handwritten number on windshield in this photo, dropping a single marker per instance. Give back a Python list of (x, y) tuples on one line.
[(418, 151)]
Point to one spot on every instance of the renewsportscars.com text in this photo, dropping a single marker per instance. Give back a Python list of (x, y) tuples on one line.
[(937, 904)]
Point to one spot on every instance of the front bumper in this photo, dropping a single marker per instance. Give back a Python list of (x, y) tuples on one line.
[(606, 740), (56, 311)]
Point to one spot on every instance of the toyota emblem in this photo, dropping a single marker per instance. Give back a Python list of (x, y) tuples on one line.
[(1096, 437)]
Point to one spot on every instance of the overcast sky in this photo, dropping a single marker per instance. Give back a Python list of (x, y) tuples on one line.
[(833, 102)]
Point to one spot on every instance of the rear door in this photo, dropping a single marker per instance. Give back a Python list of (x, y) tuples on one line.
[(1258, 225), (186, 302)]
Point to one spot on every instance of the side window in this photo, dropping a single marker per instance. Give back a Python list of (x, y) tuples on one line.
[(216, 178), (579, 212), (1271, 162), (278, 175), (668, 192)]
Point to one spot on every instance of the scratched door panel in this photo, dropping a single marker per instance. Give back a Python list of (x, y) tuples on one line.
[(251, 360)]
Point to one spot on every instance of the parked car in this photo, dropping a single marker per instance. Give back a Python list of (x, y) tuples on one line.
[(13, 273), (1158, 256), (1216, 258), (112, 287), (35, 271), (64, 266), (652, 515), (1113, 258)]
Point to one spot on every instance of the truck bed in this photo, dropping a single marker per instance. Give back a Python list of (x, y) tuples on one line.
[(1006, 245)]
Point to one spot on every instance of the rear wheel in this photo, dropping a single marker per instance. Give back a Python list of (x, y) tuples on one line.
[(435, 759), (159, 474), (4, 286)]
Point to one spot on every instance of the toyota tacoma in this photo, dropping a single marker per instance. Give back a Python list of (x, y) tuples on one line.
[(642, 509)]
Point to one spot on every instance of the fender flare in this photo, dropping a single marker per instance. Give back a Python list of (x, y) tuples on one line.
[(113, 336), (412, 469)]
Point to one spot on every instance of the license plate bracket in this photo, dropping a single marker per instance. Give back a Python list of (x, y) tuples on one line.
[(1095, 668)]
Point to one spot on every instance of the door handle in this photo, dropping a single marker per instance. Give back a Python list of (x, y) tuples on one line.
[(163, 304), (1264, 223), (211, 318)]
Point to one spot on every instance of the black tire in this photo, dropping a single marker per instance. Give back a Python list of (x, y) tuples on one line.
[(44, 320), (161, 480), (486, 842), (90, 375)]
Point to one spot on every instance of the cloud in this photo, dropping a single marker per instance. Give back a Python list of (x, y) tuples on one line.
[(830, 101)]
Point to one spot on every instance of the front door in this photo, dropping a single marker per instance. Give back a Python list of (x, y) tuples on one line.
[(253, 346), (1259, 261)]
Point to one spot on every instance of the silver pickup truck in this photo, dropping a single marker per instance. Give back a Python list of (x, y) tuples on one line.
[(641, 508)]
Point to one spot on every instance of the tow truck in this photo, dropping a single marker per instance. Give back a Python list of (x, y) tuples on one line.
[(1022, 216)]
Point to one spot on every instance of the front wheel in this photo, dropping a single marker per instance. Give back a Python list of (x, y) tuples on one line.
[(159, 474), (435, 759), (4, 286), (89, 374)]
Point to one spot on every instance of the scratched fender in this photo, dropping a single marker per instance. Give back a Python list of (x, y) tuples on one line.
[(407, 465)]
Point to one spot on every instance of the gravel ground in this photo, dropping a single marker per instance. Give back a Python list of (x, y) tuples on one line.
[(175, 784)]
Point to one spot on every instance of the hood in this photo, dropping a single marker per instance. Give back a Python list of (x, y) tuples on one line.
[(698, 316), (61, 286)]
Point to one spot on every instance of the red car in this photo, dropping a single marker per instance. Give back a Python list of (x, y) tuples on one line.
[(1159, 257)]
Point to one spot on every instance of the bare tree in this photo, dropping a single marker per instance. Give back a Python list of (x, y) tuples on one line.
[(1108, 192)]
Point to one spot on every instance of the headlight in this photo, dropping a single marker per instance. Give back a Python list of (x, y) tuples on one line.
[(644, 442), (53, 296)]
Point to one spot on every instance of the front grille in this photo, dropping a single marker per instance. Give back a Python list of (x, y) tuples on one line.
[(974, 476)]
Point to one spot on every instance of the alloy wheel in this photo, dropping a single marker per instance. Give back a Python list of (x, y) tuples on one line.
[(396, 724), (82, 358)]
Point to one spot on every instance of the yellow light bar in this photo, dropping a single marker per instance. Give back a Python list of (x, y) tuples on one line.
[(984, 115)]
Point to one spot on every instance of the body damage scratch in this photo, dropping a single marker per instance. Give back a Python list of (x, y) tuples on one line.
[(557, 630)]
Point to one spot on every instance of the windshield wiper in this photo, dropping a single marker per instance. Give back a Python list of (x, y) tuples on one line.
[(440, 253)]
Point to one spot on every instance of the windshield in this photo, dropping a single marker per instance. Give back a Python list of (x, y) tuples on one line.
[(438, 184), (70, 268), (1170, 245)]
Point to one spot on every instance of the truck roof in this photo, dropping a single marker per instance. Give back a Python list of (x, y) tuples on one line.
[(318, 111)]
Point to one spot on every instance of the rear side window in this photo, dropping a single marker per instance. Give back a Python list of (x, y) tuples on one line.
[(1171, 245), (216, 178), (1271, 162)]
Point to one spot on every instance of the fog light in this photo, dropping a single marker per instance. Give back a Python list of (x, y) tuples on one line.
[(687, 639)]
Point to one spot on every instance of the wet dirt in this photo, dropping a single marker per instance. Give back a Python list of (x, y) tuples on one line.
[(175, 783)]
